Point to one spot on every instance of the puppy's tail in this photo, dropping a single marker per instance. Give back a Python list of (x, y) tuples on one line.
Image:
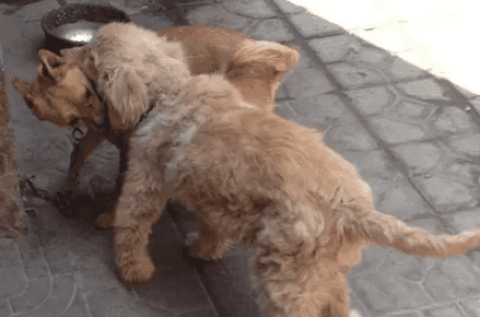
[(385, 230)]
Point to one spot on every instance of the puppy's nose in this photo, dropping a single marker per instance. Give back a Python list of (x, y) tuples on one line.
[(29, 103), (100, 119), (73, 122)]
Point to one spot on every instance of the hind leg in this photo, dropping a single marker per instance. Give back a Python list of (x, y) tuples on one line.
[(139, 207)]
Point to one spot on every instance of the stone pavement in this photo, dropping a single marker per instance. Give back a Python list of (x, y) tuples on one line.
[(414, 138)]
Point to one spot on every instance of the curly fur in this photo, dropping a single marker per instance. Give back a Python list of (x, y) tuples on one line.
[(261, 180)]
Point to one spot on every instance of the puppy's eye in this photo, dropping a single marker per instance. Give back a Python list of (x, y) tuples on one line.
[(88, 94), (276, 72)]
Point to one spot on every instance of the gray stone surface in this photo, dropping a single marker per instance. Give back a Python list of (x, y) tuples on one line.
[(392, 131), (306, 79), (444, 311), (216, 14), (306, 82), (448, 193), (407, 314), (452, 120), (424, 89), (284, 109), (410, 269), (400, 199), (400, 69), (370, 101), (411, 111), (366, 55), (422, 158), (471, 306), (288, 7), (346, 134), (251, 8), (333, 48), (351, 76), (452, 278), (271, 30), (467, 145), (383, 293), (372, 165), (310, 25)]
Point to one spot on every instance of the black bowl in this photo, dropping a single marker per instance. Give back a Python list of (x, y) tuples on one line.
[(77, 24)]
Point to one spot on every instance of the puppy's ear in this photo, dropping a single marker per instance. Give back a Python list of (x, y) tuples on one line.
[(74, 54), (49, 65), (281, 57), (126, 94), (82, 57)]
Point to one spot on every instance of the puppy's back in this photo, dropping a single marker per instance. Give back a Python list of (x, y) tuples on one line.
[(210, 48)]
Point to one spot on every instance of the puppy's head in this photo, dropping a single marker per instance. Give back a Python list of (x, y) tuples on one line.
[(60, 93), (257, 69), (121, 88), (133, 67)]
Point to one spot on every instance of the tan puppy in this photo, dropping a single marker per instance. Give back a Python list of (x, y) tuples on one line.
[(62, 91), (252, 176)]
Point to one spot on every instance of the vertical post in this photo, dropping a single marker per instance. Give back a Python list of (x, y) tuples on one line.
[(12, 213)]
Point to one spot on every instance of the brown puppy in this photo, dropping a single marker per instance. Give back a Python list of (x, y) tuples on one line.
[(62, 91), (255, 68), (252, 176)]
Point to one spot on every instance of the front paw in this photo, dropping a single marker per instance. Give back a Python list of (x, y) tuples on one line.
[(105, 220), (354, 313), (138, 272)]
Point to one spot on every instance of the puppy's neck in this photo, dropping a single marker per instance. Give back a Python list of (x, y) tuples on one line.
[(166, 87)]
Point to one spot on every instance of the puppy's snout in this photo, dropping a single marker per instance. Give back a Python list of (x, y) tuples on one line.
[(100, 119)]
